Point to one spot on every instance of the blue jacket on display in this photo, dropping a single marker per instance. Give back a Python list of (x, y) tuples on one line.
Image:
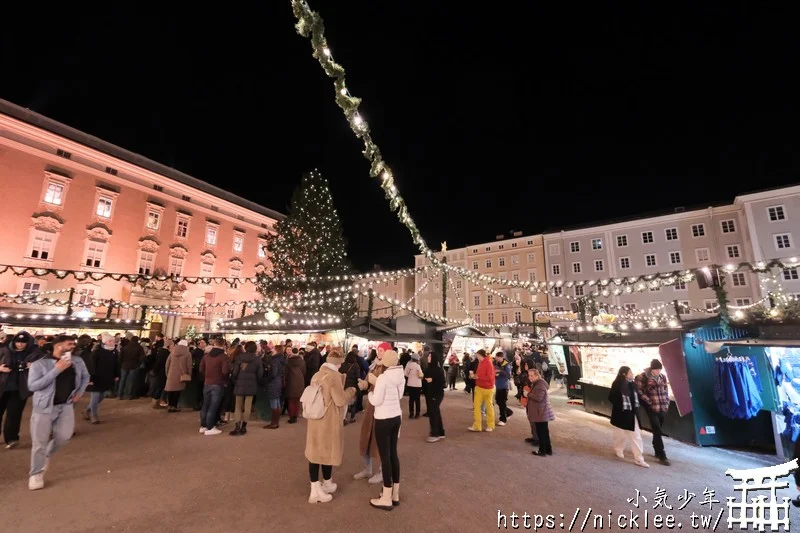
[(735, 390)]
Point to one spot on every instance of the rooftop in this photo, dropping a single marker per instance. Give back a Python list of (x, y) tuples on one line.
[(48, 124)]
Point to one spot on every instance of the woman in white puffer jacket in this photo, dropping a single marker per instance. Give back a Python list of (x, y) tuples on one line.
[(388, 417)]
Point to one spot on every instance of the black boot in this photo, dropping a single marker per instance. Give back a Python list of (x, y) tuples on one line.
[(236, 430), (243, 428)]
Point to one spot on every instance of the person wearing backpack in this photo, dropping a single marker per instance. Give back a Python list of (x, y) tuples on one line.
[(247, 373), (325, 435)]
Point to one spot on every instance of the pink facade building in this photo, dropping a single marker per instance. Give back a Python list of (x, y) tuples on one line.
[(74, 202)]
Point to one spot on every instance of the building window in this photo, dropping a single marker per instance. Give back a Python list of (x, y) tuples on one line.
[(597, 244), (476, 300), (95, 252), (680, 285), (501, 262), (672, 234), (86, 295), (54, 194), (655, 288), (458, 284), (501, 247), (104, 204), (206, 270), (578, 290), (474, 265), (622, 241), (599, 266), (741, 302), (559, 309), (783, 241), (650, 260), (147, 262), (238, 243), (31, 288), (554, 249), (488, 248), (728, 226), (515, 276), (531, 258), (474, 250), (490, 299), (733, 251), (262, 249), (513, 245), (517, 316), (647, 237), (530, 243), (491, 318), (556, 270), (478, 318), (182, 228), (42, 246), (153, 219), (790, 274), (739, 279), (558, 291), (629, 306), (175, 266), (698, 230), (234, 272), (574, 247), (504, 318), (211, 235), (514, 259), (576, 268), (776, 213), (624, 262), (702, 255), (230, 313), (675, 258), (63, 153), (683, 308), (710, 305), (488, 263)]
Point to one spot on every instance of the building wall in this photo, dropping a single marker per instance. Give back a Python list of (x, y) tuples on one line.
[(49, 197), (429, 298), (650, 245), (399, 289)]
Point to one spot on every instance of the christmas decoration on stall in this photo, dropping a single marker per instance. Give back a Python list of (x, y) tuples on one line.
[(722, 302), (309, 243), (191, 332), (777, 306)]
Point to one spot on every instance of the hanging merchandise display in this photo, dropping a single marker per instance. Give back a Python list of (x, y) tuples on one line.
[(735, 389), (785, 362)]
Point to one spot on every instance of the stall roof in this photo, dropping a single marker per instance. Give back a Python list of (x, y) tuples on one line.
[(55, 321), (397, 337), (287, 322)]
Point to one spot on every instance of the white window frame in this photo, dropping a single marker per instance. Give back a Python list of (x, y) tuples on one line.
[(514, 259), (788, 236), (103, 254), (504, 317), (458, 284), (680, 285), (683, 308), (708, 304), (531, 257), (629, 306), (157, 210), (206, 269), (103, 199), (601, 263), (513, 245), (501, 247), (741, 302), (85, 293), (668, 232), (575, 247), (173, 261), (488, 248), (182, 218), (558, 291), (238, 235), (57, 180), (597, 243), (672, 256), (733, 247), (776, 208), (140, 260), (647, 235), (490, 299), (791, 274), (622, 241), (32, 237), (517, 316), (262, 248), (698, 230), (558, 309), (211, 226), (699, 251), (578, 290), (501, 262), (488, 263), (556, 269), (42, 284), (622, 261), (729, 223), (532, 275), (530, 243), (476, 300), (475, 265), (515, 276), (477, 318), (738, 276), (490, 318), (577, 267), (655, 261)]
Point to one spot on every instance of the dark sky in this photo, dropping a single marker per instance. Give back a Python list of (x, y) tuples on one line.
[(493, 116)]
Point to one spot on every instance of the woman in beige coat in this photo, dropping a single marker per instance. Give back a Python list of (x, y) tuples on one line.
[(325, 437), (179, 372)]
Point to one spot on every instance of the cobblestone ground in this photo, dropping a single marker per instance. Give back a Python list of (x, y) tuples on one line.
[(142, 470)]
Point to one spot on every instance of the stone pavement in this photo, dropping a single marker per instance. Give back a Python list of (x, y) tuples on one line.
[(142, 470)]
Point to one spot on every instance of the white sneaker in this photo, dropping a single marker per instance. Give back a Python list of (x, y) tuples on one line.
[(212, 431), (203, 430), (317, 494), (641, 463), (489, 430), (473, 429), (434, 439), (364, 474), (377, 478), (36, 482), (328, 486), (501, 423)]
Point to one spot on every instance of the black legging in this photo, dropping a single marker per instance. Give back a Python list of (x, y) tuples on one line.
[(386, 432), (501, 397), (173, 397), (313, 471), (413, 400), (435, 415), (543, 431)]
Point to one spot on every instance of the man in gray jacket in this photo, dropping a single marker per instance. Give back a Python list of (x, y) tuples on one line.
[(57, 381)]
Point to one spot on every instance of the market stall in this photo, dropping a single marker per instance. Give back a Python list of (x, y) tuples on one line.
[(75, 324)]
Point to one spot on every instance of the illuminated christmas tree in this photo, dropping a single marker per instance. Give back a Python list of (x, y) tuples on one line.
[(309, 244)]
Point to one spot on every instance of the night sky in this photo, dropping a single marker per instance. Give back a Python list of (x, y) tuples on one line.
[(493, 116)]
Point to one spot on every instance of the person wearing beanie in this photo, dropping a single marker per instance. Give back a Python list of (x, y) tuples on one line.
[(15, 360), (434, 394), (325, 436), (654, 395), (388, 418), (101, 364)]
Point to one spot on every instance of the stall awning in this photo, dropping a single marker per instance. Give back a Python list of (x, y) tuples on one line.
[(378, 336), (287, 322)]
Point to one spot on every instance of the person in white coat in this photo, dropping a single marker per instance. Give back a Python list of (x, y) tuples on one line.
[(413, 373), (388, 417)]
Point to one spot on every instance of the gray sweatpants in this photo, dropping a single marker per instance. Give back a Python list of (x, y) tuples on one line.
[(60, 423)]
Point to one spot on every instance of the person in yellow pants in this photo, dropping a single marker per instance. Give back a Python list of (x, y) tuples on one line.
[(484, 393)]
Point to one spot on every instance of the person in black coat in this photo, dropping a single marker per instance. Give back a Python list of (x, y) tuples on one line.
[(248, 373), (103, 375), (158, 376), (15, 358), (625, 404), (352, 371), (313, 361), (433, 377)]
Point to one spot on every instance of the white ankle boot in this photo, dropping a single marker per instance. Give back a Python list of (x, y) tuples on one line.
[(317, 494), (377, 478), (385, 500), (364, 474), (328, 486), (396, 494)]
